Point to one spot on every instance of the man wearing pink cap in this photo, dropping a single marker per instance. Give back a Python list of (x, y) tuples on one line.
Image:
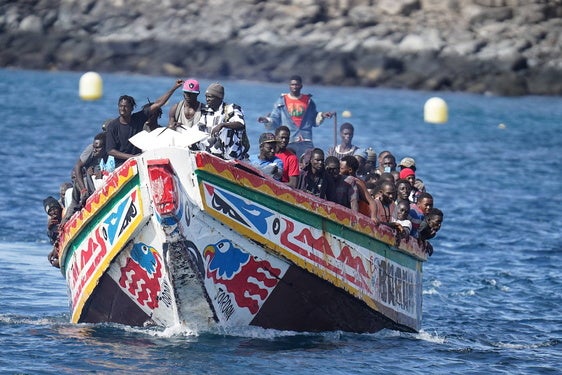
[(187, 113)]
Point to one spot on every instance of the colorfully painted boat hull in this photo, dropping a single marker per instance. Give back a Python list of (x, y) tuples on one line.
[(177, 237)]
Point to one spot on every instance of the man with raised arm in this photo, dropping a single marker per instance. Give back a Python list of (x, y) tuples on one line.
[(121, 129)]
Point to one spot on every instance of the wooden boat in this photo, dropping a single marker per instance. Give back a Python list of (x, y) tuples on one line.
[(182, 237)]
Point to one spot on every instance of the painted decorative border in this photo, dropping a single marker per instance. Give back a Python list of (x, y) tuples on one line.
[(94, 253), (94, 204), (232, 175), (342, 263)]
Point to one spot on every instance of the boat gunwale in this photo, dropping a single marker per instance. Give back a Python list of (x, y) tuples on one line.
[(338, 215)]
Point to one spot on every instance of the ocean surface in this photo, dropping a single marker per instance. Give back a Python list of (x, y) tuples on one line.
[(492, 289)]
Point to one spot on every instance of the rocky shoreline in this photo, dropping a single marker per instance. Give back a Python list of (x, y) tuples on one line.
[(500, 47)]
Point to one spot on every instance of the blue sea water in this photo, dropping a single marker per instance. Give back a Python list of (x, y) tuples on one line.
[(492, 289)]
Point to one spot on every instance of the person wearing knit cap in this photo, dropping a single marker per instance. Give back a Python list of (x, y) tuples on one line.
[(408, 174), (225, 125), (215, 89), (298, 112), (187, 113)]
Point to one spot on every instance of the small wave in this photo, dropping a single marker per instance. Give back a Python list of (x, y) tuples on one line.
[(185, 330), (426, 336), (430, 291), (35, 321), (494, 283), (507, 345), (173, 331), (261, 333), (436, 283)]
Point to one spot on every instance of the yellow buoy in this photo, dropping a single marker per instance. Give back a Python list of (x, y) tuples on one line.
[(91, 86), (346, 114), (435, 111)]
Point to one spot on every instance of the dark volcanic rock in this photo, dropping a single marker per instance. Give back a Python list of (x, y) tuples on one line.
[(504, 47)]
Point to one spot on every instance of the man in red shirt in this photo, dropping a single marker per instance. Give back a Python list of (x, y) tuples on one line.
[(290, 161)]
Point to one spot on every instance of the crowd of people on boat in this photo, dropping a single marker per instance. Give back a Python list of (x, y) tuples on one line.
[(388, 192)]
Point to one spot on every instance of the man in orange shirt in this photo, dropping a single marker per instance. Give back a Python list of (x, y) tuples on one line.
[(298, 112)]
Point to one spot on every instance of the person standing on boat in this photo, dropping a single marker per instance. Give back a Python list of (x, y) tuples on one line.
[(313, 178), (128, 124), (403, 190), (291, 170), (384, 205), (266, 159), (345, 147), (345, 190), (361, 156), (348, 167), (401, 219), (387, 163), (298, 112), (187, 113), (225, 124)]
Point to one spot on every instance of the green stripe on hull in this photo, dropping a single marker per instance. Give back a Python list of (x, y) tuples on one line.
[(108, 206), (315, 220)]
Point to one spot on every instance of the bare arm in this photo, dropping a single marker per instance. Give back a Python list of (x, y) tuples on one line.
[(119, 155), (293, 181), (79, 176), (365, 193), (172, 116), (354, 203), (164, 98)]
